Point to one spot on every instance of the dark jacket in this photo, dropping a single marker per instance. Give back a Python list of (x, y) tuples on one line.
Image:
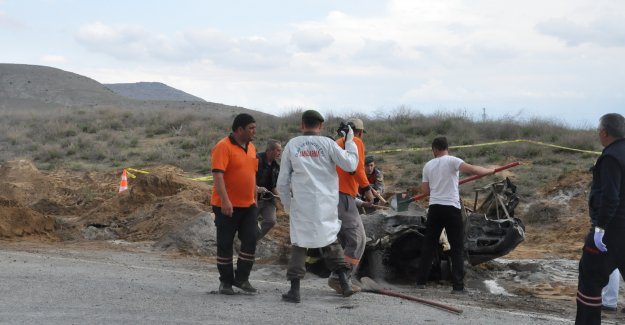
[(606, 201), (267, 175)]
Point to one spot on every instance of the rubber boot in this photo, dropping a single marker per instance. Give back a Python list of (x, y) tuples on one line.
[(346, 283), (293, 294)]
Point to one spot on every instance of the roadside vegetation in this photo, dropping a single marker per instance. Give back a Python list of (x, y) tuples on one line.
[(108, 139)]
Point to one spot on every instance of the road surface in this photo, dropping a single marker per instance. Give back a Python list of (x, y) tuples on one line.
[(73, 285)]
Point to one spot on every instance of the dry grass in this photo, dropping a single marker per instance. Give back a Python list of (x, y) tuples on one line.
[(103, 139)]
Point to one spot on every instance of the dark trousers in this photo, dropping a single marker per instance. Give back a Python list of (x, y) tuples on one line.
[(594, 273), (332, 255), (450, 218), (243, 221)]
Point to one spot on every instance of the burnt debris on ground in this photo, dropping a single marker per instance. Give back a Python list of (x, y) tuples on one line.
[(394, 239)]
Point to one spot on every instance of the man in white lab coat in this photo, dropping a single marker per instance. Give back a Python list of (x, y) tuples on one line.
[(308, 188)]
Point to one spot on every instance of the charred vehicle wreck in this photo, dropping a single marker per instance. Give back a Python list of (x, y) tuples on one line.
[(394, 238)]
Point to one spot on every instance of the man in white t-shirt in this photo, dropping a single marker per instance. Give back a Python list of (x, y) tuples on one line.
[(440, 182)]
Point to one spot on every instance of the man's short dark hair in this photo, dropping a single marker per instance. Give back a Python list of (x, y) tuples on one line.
[(242, 120), (613, 124), (440, 143), (311, 122)]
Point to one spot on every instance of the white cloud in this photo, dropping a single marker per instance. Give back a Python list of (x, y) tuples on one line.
[(415, 52), (51, 58), (133, 43), (311, 41), (439, 90), (605, 31), (122, 42), (9, 22)]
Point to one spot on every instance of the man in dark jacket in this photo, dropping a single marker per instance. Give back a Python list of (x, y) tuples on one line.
[(604, 247), (266, 177)]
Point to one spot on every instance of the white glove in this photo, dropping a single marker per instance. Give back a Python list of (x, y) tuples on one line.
[(350, 134), (261, 189)]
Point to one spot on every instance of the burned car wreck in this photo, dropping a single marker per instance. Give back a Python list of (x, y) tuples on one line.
[(394, 238)]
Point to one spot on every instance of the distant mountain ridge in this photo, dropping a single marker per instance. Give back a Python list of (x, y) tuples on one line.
[(151, 91), (36, 87)]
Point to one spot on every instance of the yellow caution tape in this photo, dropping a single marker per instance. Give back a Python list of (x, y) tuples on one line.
[(490, 144), (210, 177), (131, 175), (203, 179), (561, 147), (137, 170)]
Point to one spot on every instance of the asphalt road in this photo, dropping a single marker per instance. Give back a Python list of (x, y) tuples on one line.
[(52, 285)]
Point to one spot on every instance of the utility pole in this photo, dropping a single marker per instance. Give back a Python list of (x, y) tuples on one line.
[(483, 114)]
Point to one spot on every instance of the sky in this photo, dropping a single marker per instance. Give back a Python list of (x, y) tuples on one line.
[(562, 60)]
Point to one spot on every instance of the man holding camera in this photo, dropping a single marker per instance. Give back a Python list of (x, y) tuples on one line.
[(308, 186), (352, 234)]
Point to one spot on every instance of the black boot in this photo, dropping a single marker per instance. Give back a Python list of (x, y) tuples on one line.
[(293, 294), (346, 283)]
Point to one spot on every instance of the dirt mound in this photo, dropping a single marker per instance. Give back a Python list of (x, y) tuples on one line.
[(163, 205), (557, 224), (154, 204), (543, 212), (19, 221), (21, 183)]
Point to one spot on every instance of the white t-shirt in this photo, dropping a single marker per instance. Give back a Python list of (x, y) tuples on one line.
[(442, 174)]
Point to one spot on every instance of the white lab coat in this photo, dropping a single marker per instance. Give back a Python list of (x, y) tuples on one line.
[(309, 188)]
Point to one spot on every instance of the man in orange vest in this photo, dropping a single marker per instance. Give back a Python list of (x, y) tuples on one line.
[(234, 166), (352, 234)]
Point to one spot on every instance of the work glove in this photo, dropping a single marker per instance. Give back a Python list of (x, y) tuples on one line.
[(350, 134), (598, 237), (261, 189)]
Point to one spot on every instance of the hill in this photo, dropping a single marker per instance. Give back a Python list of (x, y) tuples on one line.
[(24, 87), (31, 86), (151, 91), (59, 118)]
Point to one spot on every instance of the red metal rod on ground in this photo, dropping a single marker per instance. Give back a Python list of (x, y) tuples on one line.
[(423, 301), (469, 179), (369, 285)]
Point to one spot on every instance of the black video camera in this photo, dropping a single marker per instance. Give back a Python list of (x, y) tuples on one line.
[(344, 129)]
